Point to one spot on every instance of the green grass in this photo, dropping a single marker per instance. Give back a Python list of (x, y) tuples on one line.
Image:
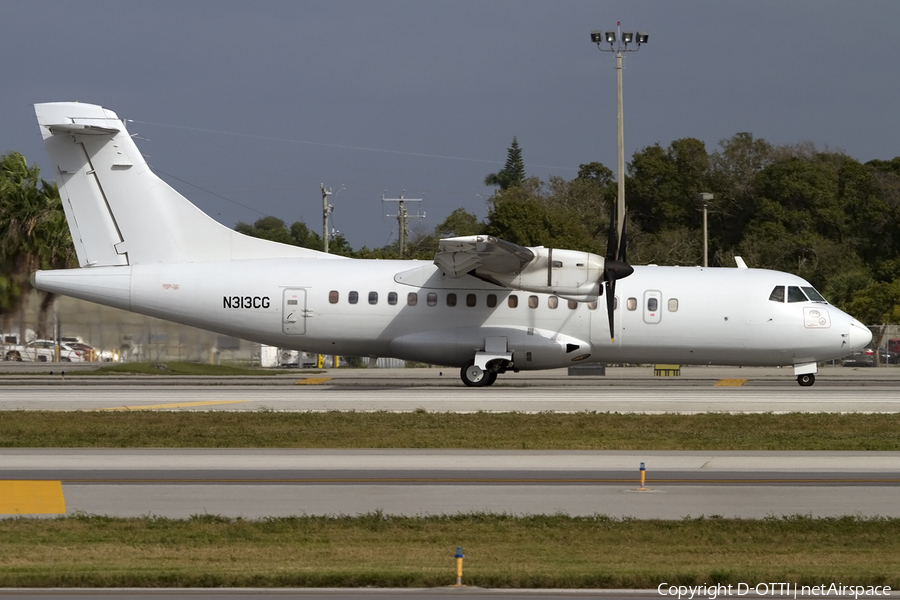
[(183, 368), (500, 551), (506, 431)]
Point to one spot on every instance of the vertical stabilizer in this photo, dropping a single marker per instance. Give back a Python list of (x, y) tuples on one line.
[(119, 211)]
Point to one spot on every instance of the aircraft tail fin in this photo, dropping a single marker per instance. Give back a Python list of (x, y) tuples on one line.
[(119, 211)]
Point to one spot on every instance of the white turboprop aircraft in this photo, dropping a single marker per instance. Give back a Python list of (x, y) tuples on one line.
[(484, 305)]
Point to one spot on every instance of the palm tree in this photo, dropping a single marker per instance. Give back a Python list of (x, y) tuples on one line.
[(33, 235)]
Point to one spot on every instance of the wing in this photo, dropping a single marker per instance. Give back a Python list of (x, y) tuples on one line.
[(462, 255), (567, 273)]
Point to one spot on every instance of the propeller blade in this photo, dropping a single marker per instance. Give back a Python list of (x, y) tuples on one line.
[(623, 242), (611, 237), (610, 301)]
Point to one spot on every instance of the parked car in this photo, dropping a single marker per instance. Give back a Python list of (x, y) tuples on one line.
[(888, 357), (860, 358), (45, 351)]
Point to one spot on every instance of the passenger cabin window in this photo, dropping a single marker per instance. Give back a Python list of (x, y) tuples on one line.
[(795, 294), (353, 297), (373, 297), (552, 301), (777, 294), (512, 301), (333, 297), (573, 305), (532, 301), (470, 300), (492, 300), (412, 299), (392, 297), (631, 304), (592, 305), (653, 304), (451, 299), (431, 299), (673, 304)]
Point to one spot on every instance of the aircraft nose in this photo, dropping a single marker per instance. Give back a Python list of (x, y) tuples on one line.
[(860, 336)]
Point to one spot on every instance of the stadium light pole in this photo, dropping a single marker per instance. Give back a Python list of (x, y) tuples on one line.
[(618, 43)]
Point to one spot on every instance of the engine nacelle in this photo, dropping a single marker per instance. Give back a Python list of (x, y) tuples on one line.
[(569, 274)]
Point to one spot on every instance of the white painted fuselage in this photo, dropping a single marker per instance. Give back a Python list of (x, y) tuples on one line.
[(410, 310)]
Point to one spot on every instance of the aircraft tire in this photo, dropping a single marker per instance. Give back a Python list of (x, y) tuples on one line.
[(473, 376), (806, 380)]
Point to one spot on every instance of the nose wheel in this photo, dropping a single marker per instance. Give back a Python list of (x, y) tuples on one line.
[(474, 376), (806, 380)]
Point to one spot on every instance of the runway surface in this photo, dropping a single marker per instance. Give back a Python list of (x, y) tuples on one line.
[(261, 483), (636, 398)]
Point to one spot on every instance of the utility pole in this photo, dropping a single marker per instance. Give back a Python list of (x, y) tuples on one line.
[(326, 210), (705, 198), (403, 218)]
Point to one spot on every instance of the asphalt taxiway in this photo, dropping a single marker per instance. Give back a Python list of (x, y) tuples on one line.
[(261, 483)]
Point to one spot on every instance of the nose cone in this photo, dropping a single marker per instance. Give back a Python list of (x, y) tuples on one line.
[(860, 336)]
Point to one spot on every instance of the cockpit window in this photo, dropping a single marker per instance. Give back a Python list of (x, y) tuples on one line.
[(813, 294), (777, 294), (795, 294)]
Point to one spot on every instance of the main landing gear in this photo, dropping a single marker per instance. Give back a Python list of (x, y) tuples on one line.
[(806, 380), (474, 376)]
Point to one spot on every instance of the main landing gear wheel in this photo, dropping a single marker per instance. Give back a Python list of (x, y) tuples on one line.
[(475, 376), (806, 380)]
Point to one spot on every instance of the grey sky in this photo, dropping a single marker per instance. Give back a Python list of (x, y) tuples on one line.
[(258, 102)]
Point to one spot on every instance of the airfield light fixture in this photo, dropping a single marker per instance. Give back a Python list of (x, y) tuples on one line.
[(619, 48)]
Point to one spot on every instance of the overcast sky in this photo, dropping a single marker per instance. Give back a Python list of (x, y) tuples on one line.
[(247, 107)]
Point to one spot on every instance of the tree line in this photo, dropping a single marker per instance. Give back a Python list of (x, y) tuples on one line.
[(820, 214)]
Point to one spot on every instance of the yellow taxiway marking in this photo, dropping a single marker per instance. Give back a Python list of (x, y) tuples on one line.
[(313, 381), (174, 405), (31, 498), (730, 382)]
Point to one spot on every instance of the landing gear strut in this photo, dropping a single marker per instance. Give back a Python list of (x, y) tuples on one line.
[(474, 376), (806, 380)]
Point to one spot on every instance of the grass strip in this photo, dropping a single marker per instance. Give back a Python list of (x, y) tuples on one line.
[(490, 431), (500, 551)]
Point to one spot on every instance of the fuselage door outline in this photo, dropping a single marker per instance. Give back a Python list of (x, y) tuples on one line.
[(652, 306), (293, 320)]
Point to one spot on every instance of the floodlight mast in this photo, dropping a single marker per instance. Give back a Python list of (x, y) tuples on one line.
[(619, 47)]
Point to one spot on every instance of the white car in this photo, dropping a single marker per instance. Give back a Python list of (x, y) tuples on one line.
[(45, 351)]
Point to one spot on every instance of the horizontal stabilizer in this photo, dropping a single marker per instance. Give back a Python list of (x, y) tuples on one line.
[(80, 129)]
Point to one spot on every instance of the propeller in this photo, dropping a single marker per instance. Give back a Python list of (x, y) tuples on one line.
[(614, 267)]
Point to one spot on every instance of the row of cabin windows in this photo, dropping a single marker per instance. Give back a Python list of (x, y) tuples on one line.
[(431, 299)]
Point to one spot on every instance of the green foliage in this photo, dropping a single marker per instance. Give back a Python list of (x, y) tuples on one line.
[(34, 233), (513, 172), (460, 223), (275, 230)]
